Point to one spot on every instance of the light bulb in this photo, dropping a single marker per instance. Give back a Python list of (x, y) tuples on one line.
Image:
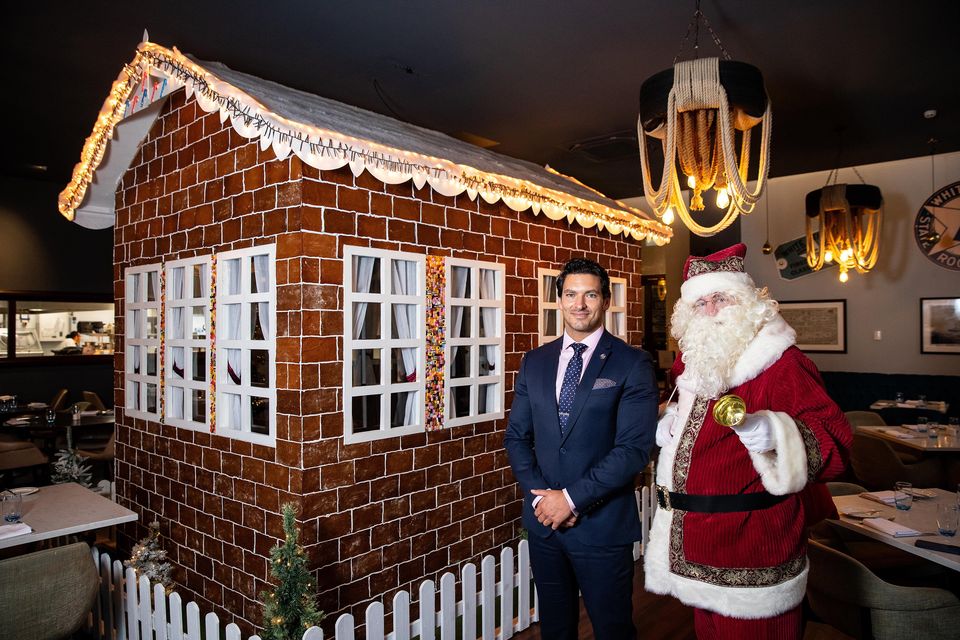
[(691, 182), (843, 276), (828, 257), (668, 216), (723, 200)]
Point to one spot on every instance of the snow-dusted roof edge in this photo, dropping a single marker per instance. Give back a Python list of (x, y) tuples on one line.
[(156, 72)]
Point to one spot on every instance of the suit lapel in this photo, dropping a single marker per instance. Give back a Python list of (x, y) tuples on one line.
[(550, 377), (597, 361)]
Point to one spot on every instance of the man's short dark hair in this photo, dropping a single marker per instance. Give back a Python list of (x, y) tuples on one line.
[(583, 265), (72, 335)]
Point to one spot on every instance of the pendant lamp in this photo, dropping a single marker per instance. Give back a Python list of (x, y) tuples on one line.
[(697, 110)]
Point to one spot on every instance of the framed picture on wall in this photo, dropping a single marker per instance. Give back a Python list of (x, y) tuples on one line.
[(821, 325), (940, 325)]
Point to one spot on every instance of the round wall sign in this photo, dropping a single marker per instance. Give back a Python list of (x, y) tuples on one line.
[(937, 227)]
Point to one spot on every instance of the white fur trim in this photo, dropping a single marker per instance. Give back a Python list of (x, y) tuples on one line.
[(783, 470), (712, 282), (775, 337), (739, 602)]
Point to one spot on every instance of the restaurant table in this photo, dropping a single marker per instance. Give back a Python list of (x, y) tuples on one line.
[(63, 509), (922, 516), (926, 405), (947, 440), (37, 427)]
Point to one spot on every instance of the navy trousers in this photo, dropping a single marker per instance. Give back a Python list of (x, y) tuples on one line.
[(563, 569)]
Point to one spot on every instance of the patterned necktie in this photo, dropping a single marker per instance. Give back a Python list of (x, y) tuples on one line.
[(571, 378)]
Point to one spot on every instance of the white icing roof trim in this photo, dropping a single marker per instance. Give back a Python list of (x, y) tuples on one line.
[(391, 150)]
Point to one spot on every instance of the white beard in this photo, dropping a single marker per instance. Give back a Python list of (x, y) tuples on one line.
[(712, 345)]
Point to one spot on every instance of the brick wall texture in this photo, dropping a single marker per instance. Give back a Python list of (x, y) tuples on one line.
[(375, 517)]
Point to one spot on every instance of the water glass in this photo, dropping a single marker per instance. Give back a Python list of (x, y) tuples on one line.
[(934, 429), (76, 413), (903, 495), (921, 400), (922, 424), (948, 517), (899, 396), (12, 507), (51, 415)]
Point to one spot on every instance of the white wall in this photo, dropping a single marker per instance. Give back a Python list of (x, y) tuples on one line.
[(886, 299)]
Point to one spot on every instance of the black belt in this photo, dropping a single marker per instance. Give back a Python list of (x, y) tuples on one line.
[(670, 500)]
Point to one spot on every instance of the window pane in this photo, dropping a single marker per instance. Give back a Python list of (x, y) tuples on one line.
[(232, 276), (174, 293), (133, 398), (177, 366), (234, 368), (137, 320), (403, 408), (366, 320), (460, 282), (461, 401), (488, 284), (404, 321), (256, 329), (489, 317), (152, 285), (260, 415), (366, 367), (403, 365), (461, 362), (199, 325), (550, 322), (228, 416), (136, 288), (616, 323), (366, 274), (461, 322), (232, 317), (488, 359), (549, 288), (487, 398), (618, 290), (366, 413), (260, 368), (134, 363), (198, 402), (199, 373), (404, 277), (151, 398), (176, 402), (151, 360), (152, 323), (199, 277)]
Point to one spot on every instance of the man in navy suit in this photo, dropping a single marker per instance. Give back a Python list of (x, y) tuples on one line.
[(581, 427)]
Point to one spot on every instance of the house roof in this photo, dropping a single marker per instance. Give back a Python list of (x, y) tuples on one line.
[(327, 135)]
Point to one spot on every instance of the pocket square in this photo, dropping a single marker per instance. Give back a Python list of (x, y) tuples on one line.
[(604, 383)]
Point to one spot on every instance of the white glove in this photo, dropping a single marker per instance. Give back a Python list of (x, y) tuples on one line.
[(665, 425), (756, 433)]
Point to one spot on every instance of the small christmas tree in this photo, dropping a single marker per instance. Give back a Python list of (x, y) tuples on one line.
[(148, 559), (291, 608), (69, 467)]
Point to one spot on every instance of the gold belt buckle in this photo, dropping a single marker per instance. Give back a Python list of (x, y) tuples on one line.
[(663, 497)]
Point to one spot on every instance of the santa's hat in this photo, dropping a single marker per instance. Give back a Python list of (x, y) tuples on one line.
[(720, 271)]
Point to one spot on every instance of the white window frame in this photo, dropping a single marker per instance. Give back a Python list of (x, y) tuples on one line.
[(136, 339), (615, 320), (474, 305), (616, 311), (223, 344), (186, 383), (385, 343)]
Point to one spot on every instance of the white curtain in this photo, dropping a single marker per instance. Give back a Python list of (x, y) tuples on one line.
[(261, 271), (404, 277), (234, 371), (458, 289), (177, 330), (488, 291), (152, 284), (362, 277)]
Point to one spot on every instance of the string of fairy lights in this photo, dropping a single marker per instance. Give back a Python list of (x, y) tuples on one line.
[(304, 140)]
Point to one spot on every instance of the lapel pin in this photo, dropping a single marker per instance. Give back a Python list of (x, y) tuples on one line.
[(603, 356)]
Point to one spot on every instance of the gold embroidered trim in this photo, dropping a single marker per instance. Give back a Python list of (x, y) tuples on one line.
[(733, 263), (812, 445)]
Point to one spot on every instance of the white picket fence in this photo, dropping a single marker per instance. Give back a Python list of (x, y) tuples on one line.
[(130, 610)]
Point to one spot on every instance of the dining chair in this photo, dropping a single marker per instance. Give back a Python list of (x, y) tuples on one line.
[(877, 466), (94, 401), (104, 455), (16, 455), (59, 400), (864, 418), (845, 594), (46, 595)]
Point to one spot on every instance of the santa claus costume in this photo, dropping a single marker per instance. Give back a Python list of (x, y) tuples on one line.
[(729, 535)]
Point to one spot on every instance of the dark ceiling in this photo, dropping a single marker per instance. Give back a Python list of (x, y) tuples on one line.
[(539, 77)]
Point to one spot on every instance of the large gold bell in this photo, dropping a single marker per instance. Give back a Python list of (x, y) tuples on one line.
[(730, 410)]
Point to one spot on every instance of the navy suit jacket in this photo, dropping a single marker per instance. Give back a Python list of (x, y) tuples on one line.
[(607, 443)]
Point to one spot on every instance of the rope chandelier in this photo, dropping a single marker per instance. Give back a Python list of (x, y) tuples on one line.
[(696, 109)]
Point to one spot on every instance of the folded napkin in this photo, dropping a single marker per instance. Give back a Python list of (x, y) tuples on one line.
[(904, 435), (890, 528), (18, 422), (37, 405), (11, 530), (883, 497)]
